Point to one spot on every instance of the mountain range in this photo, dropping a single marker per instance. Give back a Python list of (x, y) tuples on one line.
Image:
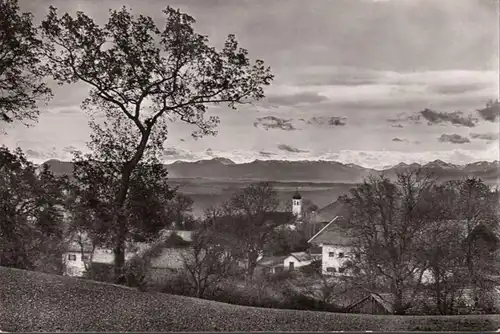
[(305, 171)]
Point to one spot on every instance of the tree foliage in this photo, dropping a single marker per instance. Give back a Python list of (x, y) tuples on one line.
[(21, 71), (210, 260), (31, 214), (252, 216)]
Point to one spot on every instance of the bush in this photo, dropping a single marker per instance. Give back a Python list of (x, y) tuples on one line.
[(281, 276), (176, 284), (102, 272), (136, 273)]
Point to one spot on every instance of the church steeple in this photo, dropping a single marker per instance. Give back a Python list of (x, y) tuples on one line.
[(297, 195), (297, 204)]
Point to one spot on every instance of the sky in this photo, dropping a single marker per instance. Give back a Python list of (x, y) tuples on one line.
[(370, 82)]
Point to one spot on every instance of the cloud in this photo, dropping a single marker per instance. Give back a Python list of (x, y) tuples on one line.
[(485, 136), (273, 122), (491, 112), (295, 99), (327, 120), (454, 139), (172, 153), (266, 154), (456, 118), (291, 149), (457, 88), (404, 118)]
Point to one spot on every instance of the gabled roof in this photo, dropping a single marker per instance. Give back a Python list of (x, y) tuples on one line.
[(333, 233), (331, 210), (386, 300), (301, 256)]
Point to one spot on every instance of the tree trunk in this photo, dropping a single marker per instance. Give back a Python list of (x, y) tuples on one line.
[(119, 254), (252, 263), (120, 222)]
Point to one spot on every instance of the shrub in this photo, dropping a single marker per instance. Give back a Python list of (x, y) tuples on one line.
[(136, 273), (176, 284), (102, 272)]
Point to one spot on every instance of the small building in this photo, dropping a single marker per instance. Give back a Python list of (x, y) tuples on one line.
[(75, 259), (297, 260), (381, 304)]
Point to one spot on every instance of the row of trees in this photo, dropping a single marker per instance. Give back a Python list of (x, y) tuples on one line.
[(415, 227)]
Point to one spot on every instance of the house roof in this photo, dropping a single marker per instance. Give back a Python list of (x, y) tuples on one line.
[(333, 233), (386, 300), (271, 261), (331, 210), (75, 247), (301, 256)]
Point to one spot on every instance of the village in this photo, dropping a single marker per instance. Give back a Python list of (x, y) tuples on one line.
[(327, 260)]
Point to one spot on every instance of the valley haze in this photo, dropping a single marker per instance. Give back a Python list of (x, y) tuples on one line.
[(210, 182)]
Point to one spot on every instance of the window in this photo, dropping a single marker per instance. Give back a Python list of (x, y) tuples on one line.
[(331, 269), (72, 257), (341, 270), (331, 254), (85, 258), (341, 254), (358, 256), (291, 266)]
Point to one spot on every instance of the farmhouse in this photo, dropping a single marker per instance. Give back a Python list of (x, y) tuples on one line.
[(336, 247)]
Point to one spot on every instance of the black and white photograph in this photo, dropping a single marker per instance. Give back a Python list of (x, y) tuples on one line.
[(250, 166)]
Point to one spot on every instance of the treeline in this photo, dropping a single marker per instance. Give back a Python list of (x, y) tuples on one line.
[(421, 238)]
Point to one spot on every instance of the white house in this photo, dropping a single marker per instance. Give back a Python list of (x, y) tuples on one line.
[(297, 260), (336, 247), (74, 259)]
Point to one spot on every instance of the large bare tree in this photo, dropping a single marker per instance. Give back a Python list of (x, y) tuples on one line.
[(148, 76), (387, 221)]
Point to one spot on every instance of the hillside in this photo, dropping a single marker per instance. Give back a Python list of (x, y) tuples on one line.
[(304, 171), (34, 301)]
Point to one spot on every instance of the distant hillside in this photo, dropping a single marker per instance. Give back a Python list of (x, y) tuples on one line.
[(304, 171)]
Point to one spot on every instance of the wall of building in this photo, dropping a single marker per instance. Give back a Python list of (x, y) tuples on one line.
[(296, 263), (297, 207), (73, 263), (335, 261)]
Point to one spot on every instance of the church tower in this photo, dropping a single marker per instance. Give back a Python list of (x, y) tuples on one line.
[(297, 204)]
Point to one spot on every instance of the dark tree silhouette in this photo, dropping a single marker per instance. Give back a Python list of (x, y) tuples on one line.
[(21, 70)]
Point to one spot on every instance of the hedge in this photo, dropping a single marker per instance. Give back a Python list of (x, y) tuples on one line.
[(32, 301)]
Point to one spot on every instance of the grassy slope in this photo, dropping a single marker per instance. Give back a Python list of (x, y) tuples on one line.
[(33, 301)]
